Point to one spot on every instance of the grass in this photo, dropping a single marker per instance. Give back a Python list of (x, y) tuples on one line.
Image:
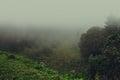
[(17, 67)]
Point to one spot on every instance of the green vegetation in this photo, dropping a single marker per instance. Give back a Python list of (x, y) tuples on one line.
[(96, 58), (100, 48), (16, 67)]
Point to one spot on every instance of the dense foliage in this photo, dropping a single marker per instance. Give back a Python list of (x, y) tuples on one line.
[(92, 42), (16, 67), (100, 48)]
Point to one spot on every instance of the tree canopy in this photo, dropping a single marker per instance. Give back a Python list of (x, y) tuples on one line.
[(100, 47)]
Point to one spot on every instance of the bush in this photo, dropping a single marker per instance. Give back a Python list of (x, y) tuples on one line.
[(11, 57)]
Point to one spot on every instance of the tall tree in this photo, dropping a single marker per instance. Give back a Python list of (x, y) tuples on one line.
[(92, 42)]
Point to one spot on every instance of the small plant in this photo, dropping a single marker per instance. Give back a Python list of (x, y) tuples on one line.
[(11, 57), (40, 66), (56, 78)]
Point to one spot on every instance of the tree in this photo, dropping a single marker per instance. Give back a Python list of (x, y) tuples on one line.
[(92, 42), (112, 25), (111, 53), (100, 47)]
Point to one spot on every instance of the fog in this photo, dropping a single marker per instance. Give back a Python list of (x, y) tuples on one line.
[(57, 13), (53, 21), (78, 38)]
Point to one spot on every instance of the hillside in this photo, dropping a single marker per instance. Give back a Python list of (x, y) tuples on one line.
[(17, 67)]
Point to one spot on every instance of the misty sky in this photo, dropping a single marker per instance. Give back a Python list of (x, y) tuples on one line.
[(58, 12)]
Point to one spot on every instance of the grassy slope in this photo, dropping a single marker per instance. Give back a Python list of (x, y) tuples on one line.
[(16, 67)]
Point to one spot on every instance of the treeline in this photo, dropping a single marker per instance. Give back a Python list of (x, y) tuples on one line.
[(100, 48), (13, 39), (57, 48)]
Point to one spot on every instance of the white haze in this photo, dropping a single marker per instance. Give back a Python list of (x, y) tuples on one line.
[(58, 13)]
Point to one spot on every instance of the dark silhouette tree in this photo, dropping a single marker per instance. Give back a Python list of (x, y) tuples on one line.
[(92, 42)]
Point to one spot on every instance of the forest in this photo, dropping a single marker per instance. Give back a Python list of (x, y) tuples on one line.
[(33, 53)]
